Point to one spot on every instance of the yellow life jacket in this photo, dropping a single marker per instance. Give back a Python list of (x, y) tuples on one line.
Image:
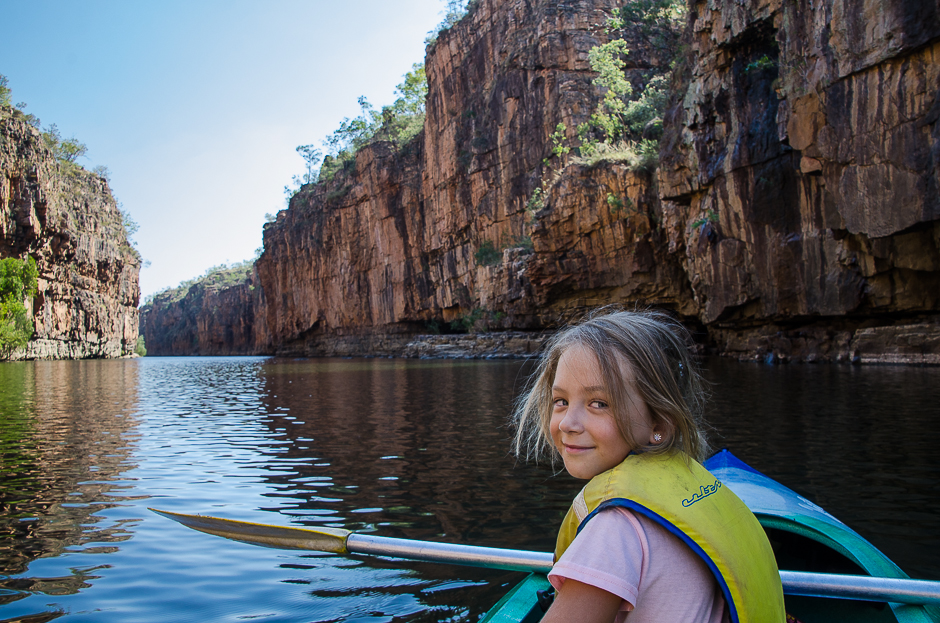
[(682, 496)]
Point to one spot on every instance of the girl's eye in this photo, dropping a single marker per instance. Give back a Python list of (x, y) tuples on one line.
[(561, 402), (598, 404)]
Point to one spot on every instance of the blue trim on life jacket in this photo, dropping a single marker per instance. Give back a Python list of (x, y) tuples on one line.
[(668, 525)]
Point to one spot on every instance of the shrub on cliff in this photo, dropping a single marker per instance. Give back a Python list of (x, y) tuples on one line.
[(633, 105), (6, 99), (455, 11), (18, 282)]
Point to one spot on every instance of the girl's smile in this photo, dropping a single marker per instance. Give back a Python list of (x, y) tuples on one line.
[(583, 424)]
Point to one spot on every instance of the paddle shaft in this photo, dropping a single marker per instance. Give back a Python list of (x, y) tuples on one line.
[(860, 587), (470, 555), (340, 541)]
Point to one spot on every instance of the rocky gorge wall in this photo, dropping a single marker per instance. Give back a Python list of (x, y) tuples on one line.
[(204, 319), (808, 141), (68, 221), (794, 214)]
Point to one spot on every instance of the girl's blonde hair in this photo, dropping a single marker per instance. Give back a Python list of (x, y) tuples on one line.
[(656, 349)]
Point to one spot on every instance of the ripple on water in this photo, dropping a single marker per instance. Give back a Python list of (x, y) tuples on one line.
[(411, 449)]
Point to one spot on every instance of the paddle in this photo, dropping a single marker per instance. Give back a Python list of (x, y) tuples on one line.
[(339, 541)]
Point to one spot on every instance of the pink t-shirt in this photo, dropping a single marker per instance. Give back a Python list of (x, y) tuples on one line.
[(659, 578)]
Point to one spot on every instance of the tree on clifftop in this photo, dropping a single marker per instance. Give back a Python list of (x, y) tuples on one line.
[(396, 123), (66, 149), (5, 92), (18, 282)]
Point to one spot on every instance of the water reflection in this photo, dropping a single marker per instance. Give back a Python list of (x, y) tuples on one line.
[(859, 441), (420, 450), (65, 433), (404, 448)]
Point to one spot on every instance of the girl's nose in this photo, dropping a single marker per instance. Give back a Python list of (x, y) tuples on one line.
[(572, 422)]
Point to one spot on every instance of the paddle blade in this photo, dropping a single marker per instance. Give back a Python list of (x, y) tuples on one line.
[(319, 540)]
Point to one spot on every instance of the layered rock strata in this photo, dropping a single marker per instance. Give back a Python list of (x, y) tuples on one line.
[(67, 220), (799, 178), (794, 214), (392, 245)]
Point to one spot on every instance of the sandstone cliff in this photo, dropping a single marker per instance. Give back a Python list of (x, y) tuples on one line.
[(212, 316), (808, 140), (68, 221), (794, 214)]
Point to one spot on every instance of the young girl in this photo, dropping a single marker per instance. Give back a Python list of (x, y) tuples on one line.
[(653, 536)]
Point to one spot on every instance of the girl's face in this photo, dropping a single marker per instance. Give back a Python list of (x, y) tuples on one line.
[(583, 426)]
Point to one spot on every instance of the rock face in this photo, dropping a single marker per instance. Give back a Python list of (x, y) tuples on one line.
[(795, 214), (393, 246), (204, 319), (799, 178), (68, 221)]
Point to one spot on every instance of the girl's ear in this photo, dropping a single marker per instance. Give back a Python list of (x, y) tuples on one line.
[(661, 432)]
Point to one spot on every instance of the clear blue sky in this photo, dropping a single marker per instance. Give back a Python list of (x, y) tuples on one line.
[(196, 106)]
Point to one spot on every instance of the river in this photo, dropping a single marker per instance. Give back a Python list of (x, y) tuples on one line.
[(406, 448)]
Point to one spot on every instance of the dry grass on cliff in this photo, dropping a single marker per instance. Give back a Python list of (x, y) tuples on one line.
[(639, 156)]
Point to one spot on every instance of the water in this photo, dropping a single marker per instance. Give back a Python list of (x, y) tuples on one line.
[(404, 448)]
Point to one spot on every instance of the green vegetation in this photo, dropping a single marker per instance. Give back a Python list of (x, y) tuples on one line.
[(397, 124), (455, 11), (619, 207), (220, 277), (710, 217), (18, 282), (639, 156), (559, 148), (130, 227), (627, 123), (140, 348), (5, 92), (764, 62), (103, 172), (6, 99), (478, 319), (487, 254), (536, 202), (67, 150)]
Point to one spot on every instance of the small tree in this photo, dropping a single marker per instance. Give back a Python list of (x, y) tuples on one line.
[(18, 282), (5, 92), (66, 149), (312, 157), (626, 113)]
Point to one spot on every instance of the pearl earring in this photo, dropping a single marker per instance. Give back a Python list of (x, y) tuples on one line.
[(657, 437)]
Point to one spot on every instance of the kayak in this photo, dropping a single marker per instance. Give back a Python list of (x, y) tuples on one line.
[(805, 538)]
